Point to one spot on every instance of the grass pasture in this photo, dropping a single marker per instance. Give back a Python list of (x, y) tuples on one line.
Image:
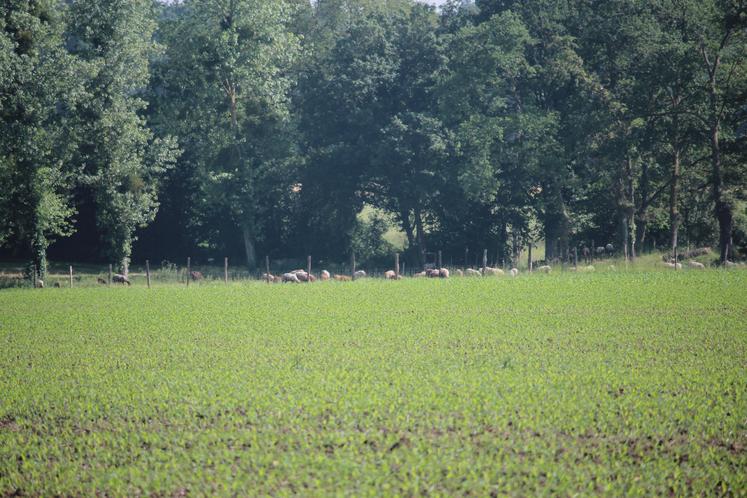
[(616, 383)]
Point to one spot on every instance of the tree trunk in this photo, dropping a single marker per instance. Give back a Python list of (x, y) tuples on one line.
[(724, 212), (557, 225), (420, 236), (39, 253), (251, 257), (630, 218), (641, 223), (407, 226), (674, 215)]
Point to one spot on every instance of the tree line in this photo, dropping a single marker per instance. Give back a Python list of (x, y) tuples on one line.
[(134, 129)]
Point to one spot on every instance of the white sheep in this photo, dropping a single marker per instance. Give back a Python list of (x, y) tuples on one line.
[(325, 275), (459, 273), (493, 272), (470, 272), (669, 264), (696, 265), (291, 277), (359, 274), (443, 273), (514, 272), (390, 275), (544, 269)]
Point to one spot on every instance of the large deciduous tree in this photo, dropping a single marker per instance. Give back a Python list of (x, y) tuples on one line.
[(121, 159), (227, 76), (39, 85)]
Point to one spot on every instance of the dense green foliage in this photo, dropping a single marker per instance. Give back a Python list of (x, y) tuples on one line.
[(240, 128), (616, 384)]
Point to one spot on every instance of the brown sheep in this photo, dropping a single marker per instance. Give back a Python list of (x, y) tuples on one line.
[(342, 278)]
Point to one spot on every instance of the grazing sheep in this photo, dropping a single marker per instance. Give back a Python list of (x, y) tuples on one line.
[(514, 272), (696, 265), (101, 281), (359, 274), (325, 275), (40, 284), (610, 249), (120, 279), (342, 278), (291, 277), (471, 272), (459, 273), (443, 273), (599, 250), (493, 272), (669, 264), (302, 276), (390, 275), (268, 277), (433, 273), (544, 269), (420, 275), (196, 275)]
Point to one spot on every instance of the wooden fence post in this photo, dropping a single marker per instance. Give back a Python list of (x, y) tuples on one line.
[(352, 263), (267, 268), (189, 269), (111, 272), (484, 260), (308, 267), (147, 272), (71, 276), (225, 270), (396, 266)]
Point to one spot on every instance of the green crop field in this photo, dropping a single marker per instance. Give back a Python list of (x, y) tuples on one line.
[(607, 383)]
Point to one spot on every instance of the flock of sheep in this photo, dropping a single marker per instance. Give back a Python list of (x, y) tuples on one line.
[(299, 276)]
